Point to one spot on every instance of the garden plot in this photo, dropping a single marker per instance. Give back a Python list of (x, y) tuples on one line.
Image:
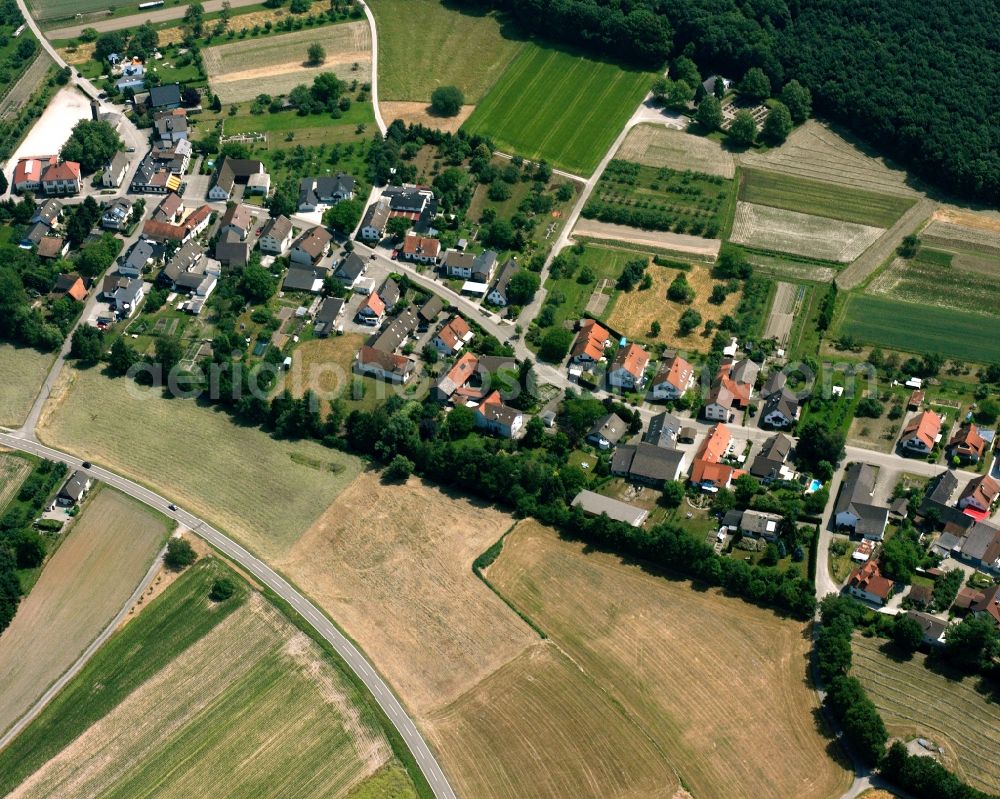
[(779, 322), (980, 240), (656, 145), (934, 277), (13, 472), (275, 64), (776, 229)]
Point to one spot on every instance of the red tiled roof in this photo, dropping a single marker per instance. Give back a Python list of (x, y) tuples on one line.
[(419, 245), (677, 372), (983, 490), (715, 444), (924, 427), (868, 578), (590, 340), (375, 303), (633, 359), (968, 441), (720, 474), (29, 170), (67, 170), (989, 604)]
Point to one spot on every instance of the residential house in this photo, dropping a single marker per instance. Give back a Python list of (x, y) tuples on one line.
[(770, 462), (497, 418), (52, 247), (34, 235), (115, 170), (628, 369), (760, 524), (415, 203), (594, 504), (453, 335), (707, 469), (672, 379), (350, 270), (721, 403), (311, 246), (74, 489), (232, 250), (318, 193), (305, 278), (933, 628), (171, 126), (237, 219), (457, 380), (372, 311), (498, 293), (855, 508), (420, 249), (154, 176), (375, 220), (663, 430), (126, 297), (181, 232), (607, 431), (235, 171), (387, 366), (988, 605), (731, 390), (330, 310), (938, 494), (169, 209), (429, 312), (590, 342), (70, 285), (981, 547), (138, 258), (165, 97), (133, 76), (62, 179), (389, 293), (191, 271), (28, 172), (477, 268), (781, 409), (47, 213), (774, 384), (966, 444), (921, 433), (174, 158), (276, 237), (648, 464), (979, 494), (116, 215), (866, 582), (920, 596)]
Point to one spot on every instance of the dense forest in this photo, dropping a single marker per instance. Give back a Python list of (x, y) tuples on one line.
[(913, 78)]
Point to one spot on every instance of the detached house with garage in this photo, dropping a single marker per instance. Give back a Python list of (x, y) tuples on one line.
[(979, 494), (855, 509), (628, 369), (672, 379), (497, 418), (731, 390), (498, 293), (966, 444), (420, 249), (318, 193), (311, 247), (452, 336), (372, 311), (867, 582), (607, 431), (781, 409), (921, 434), (590, 342), (73, 490)]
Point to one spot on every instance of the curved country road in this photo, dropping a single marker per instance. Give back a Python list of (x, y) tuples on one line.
[(261, 571)]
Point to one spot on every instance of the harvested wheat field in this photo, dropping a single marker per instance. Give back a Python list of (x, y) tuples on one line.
[(250, 707), (916, 701), (263, 491), (13, 471), (659, 239), (775, 229), (392, 564), (419, 114), (972, 234), (718, 685), (275, 64), (633, 312), (538, 727), (87, 581), (656, 145), (814, 151), (23, 372), (322, 365)]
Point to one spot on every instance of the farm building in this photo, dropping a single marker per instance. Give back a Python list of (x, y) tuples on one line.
[(596, 504), (234, 171)]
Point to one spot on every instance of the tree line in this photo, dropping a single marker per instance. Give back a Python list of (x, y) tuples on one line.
[(866, 66)]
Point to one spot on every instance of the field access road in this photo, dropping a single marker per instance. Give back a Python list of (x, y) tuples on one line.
[(134, 20), (357, 662), (374, 81), (88, 653)]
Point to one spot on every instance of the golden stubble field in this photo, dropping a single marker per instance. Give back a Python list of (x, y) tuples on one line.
[(87, 581), (264, 492), (656, 145), (718, 685), (253, 703)]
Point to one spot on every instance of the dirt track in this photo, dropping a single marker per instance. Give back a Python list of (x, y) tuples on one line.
[(678, 242)]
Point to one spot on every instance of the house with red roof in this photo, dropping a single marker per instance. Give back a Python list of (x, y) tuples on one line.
[(387, 366), (672, 379), (372, 310), (452, 336), (70, 285), (966, 444), (731, 390), (420, 249), (921, 434), (707, 470), (868, 583), (28, 172), (497, 418), (979, 494), (62, 178), (590, 342), (988, 605), (628, 369), (455, 383)]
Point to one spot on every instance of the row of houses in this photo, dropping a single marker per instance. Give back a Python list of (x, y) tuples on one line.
[(48, 175)]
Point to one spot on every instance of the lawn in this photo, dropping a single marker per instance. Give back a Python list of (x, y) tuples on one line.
[(569, 297), (424, 44), (553, 105), (275, 64), (922, 328), (699, 672), (13, 471), (324, 366), (764, 227), (661, 198), (262, 712), (822, 199), (82, 586), (263, 491), (951, 711), (23, 371), (655, 145)]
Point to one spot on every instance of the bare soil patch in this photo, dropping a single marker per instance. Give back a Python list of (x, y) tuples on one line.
[(659, 146), (392, 564), (718, 685), (677, 242), (419, 114), (105, 555), (779, 322)]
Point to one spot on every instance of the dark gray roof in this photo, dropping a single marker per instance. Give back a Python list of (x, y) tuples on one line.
[(139, 255), (48, 212), (610, 427), (350, 268), (978, 539), (744, 371), (647, 462), (933, 627), (302, 278), (859, 483), (484, 264), (663, 430), (395, 333), (940, 489), (772, 456), (160, 96), (329, 310), (389, 291), (503, 279), (783, 402), (775, 382), (430, 309), (75, 486)]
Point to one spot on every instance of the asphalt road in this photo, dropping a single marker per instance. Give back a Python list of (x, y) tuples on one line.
[(134, 20), (261, 571)]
